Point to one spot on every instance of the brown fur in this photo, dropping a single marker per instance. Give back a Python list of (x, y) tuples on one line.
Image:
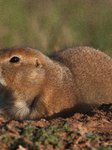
[(66, 82)]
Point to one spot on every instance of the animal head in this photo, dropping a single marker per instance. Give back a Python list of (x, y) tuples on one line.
[(22, 73)]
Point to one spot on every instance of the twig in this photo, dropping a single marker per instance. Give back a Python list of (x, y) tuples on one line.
[(21, 148), (20, 137), (12, 130), (16, 134)]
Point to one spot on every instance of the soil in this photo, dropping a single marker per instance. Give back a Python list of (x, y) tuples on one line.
[(99, 120)]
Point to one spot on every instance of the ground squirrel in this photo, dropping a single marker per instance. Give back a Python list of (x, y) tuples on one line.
[(34, 86)]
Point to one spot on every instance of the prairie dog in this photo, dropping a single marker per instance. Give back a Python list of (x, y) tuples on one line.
[(34, 86)]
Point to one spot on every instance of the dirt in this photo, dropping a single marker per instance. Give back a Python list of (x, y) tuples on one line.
[(98, 120)]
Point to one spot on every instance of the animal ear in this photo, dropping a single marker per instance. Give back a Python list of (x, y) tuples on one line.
[(40, 59), (37, 62)]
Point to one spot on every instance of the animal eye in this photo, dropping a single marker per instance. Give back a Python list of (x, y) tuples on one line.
[(14, 59)]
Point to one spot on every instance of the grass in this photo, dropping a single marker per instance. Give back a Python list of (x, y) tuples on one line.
[(53, 25), (65, 136)]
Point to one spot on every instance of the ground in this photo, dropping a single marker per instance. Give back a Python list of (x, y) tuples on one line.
[(95, 126)]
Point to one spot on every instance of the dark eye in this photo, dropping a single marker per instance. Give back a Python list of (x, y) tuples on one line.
[(14, 59)]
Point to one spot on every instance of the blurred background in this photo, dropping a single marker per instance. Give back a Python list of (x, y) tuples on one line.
[(52, 25)]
